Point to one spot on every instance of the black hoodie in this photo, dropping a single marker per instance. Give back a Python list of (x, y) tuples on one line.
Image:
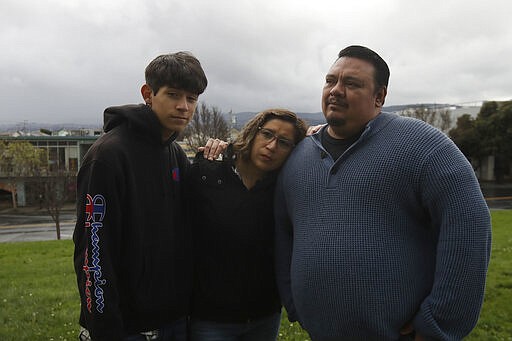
[(132, 250)]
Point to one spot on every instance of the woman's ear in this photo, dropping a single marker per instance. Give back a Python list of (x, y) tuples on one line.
[(146, 94)]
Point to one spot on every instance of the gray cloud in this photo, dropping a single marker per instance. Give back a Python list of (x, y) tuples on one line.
[(65, 61)]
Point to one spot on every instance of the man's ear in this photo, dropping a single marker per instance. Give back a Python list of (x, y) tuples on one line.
[(381, 97), (146, 93)]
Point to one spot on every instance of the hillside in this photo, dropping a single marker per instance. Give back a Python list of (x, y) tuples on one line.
[(241, 119)]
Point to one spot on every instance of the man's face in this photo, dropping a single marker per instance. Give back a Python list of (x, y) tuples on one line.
[(173, 107), (349, 100)]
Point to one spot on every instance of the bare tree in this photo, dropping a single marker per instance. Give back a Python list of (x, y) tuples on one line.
[(439, 118), (58, 188), (21, 161), (207, 122)]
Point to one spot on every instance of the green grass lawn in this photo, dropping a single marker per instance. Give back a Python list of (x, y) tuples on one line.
[(495, 321), (39, 299)]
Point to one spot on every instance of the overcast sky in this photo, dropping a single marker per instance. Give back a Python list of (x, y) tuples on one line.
[(65, 61)]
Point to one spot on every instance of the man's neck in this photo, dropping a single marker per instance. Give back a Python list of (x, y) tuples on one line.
[(339, 133)]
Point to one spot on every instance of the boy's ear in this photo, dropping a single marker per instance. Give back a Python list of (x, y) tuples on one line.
[(146, 93)]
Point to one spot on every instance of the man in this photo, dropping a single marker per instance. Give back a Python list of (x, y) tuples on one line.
[(382, 232), (131, 245)]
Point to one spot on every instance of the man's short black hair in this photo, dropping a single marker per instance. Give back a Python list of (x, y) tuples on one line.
[(364, 53)]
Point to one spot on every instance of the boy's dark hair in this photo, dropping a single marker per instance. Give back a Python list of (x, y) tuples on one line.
[(180, 70), (381, 68)]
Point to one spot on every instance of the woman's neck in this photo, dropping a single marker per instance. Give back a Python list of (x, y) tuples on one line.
[(248, 173)]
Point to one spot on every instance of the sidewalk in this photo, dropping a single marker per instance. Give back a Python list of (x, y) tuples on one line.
[(30, 216), (494, 190), (35, 224), (35, 210), (498, 196)]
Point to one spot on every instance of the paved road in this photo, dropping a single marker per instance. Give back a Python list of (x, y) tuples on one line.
[(498, 196), (31, 225), (34, 225), (36, 232)]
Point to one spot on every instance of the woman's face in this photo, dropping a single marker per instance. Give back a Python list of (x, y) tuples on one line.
[(272, 144)]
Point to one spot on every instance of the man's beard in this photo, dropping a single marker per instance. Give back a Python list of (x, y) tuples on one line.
[(336, 121)]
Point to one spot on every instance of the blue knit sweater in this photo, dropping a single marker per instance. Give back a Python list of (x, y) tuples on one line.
[(395, 231)]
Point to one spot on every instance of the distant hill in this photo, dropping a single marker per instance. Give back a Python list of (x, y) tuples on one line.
[(241, 119), (318, 117), (13, 127)]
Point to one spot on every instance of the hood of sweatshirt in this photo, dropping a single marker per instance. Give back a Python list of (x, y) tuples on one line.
[(138, 117)]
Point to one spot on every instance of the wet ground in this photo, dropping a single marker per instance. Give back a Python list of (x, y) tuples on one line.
[(498, 196), (32, 223)]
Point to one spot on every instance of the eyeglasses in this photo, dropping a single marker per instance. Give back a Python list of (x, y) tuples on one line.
[(269, 136)]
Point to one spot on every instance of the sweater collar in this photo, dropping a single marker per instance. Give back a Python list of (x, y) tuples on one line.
[(372, 127)]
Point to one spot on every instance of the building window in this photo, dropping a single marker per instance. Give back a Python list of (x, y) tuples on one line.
[(73, 164)]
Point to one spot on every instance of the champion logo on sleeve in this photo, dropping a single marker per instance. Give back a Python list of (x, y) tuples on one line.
[(95, 211)]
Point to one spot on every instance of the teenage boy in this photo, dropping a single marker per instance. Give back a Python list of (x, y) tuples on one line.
[(131, 245)]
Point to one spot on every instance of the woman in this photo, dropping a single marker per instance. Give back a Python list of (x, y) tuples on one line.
[(235, 294)]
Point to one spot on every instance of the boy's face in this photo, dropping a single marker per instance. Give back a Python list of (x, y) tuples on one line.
[(173, 107)]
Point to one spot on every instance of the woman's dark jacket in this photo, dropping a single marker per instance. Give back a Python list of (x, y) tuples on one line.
[(233, 234)]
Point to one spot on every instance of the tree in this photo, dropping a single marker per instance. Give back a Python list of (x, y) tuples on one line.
[(20, 159), (439, 118), (58, 187), (494, 126), (465, 136), (488, 109), (207, 122), (490, 134)]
